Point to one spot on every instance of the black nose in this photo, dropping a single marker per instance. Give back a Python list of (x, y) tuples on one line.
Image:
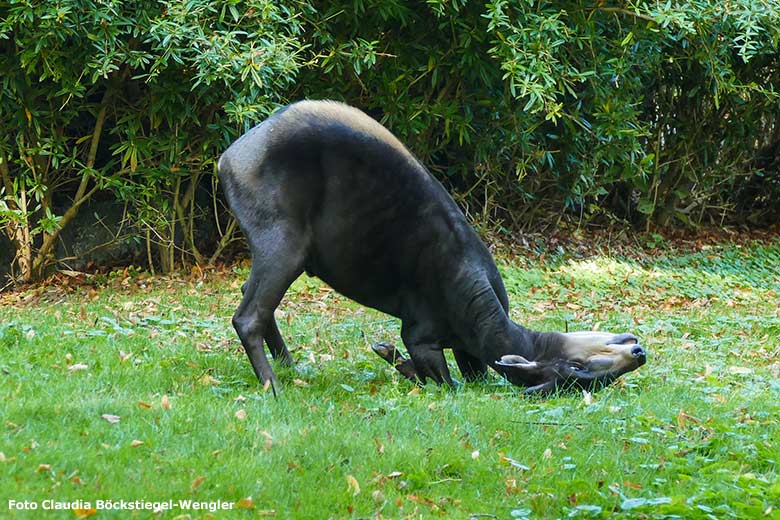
[(638, 352)]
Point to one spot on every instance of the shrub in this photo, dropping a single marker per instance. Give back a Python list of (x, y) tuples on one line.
[(134, 100), (530, 112)]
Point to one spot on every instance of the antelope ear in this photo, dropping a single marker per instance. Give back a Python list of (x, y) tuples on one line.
[(518, 362), (519, 371)]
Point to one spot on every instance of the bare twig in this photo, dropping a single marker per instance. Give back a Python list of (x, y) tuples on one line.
[(82, 195), (227, 237), (112, 240)]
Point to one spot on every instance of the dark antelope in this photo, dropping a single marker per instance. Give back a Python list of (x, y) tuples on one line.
[(321, 187)]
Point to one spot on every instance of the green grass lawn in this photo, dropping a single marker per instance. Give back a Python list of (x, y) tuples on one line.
[(137, 389)]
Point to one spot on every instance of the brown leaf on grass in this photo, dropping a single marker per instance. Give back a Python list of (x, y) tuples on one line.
[(207, 380), (68, 358), (632, 485), (240, 398), (269, 441), (84, 513), (380, 448), (135, 443), (683, 418), (76, 480), (241, 414), (352, 485), (422, 500), (113, 419), (77, 367), (165, 402), (124, 356), (246, 503), (144, 405), (43, 467), (197, 482), (706, 372)]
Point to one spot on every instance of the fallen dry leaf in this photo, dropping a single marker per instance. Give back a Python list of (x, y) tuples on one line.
[(144, 405), (246, 503), (683, 418), (135, 443), (269, 441), (241, 414), (380, 448), (43, 467), (207, 380), (165, 402), (706, 373), (547, 453), (77, 367), (352, 485), (197, 482), (113, 419), (422, 500), (124, 356), (240, 398), (84, 513)]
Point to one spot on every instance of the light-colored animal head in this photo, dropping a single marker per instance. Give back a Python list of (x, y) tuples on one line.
[(575, 359)]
